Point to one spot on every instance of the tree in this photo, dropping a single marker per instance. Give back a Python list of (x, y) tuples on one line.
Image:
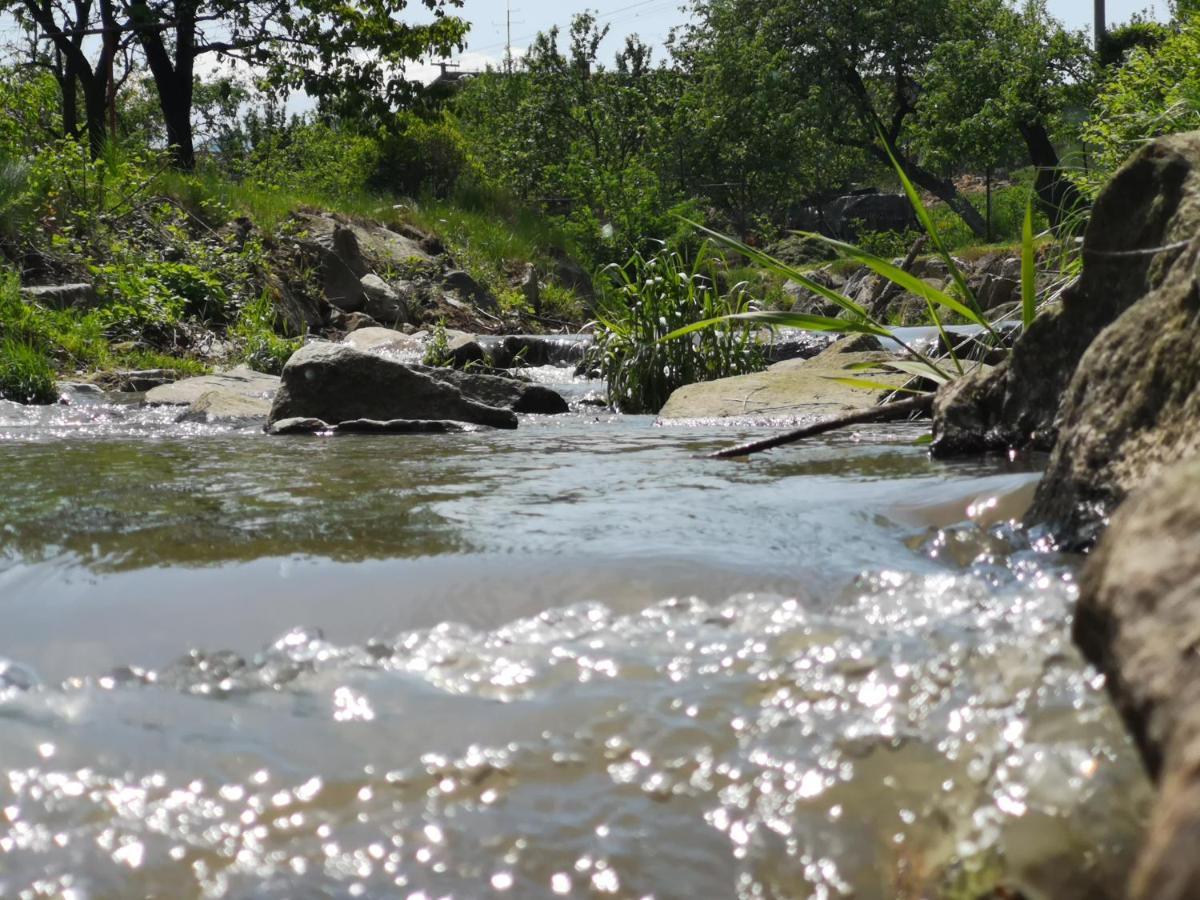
[(67, 26), (581, 139), (1156, 91), (325, 47), (741, 134), (857, 70), (1011, 77)]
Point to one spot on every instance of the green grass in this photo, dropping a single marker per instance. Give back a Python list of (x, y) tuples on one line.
[(647, 299), (25, 373)]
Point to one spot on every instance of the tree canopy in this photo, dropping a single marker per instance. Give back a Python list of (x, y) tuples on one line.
[(325, 47)]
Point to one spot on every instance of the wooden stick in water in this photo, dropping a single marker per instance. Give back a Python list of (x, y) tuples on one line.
[(888, 412)]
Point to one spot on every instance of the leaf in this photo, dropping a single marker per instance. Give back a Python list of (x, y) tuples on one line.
[(1028, 269), (901, 278), (924, 440), (926, 221), (802, 321), (780, 268)]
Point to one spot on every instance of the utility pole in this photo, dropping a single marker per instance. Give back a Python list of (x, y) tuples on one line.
[(508, 24), (1101, 26)]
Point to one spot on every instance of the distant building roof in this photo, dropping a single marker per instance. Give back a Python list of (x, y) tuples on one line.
[(451, 74)]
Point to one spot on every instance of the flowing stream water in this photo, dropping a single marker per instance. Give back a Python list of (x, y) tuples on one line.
[(574, 660)]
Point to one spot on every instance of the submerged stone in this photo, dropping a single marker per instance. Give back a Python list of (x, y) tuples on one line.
[(365, 426)]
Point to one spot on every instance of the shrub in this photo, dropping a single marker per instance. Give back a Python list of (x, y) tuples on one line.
[(651, 297), (1156, 92), (417, 157), (261, 346), (26, 375)]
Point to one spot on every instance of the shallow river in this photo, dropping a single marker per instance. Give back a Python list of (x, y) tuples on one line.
[(573, 660)]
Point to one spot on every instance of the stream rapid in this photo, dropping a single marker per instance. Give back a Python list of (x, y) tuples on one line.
[(574, 660)]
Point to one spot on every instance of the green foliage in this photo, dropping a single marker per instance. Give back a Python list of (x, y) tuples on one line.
[(316, 159), (651, 297), (581, 140), (419, 158), (1010, 67), (1156, 92), (25, 373), (261, 346), (437, 351)]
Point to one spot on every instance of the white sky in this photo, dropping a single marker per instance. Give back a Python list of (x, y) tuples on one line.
[(653, 19)]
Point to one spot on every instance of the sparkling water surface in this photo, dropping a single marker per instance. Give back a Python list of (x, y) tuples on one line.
[(575, 660)]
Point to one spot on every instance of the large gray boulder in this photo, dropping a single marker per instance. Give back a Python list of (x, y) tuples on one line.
[(1133, 405), (1132, 242), (506, 393), (336, 383), (1139, 621), (849, 216)]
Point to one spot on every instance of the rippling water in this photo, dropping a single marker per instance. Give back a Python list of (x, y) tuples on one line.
[(574, 660)]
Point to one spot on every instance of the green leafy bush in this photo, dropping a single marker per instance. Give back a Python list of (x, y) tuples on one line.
[(1156, 92), (262, 348), (418, 157), (25, 373), (651, 297)]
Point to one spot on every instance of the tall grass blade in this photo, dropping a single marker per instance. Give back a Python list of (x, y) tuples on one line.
[(927, 223), (902, 279), (780, 268)]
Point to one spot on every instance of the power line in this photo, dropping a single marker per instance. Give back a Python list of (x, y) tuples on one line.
[(606, 16)]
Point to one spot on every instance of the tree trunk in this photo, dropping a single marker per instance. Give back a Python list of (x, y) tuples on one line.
[(173, 80), (944, 190), (95, 107), (76, 71), (1057, 197), (68, 84)]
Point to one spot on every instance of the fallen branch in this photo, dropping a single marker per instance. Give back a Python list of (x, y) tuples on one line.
[(888, 412)]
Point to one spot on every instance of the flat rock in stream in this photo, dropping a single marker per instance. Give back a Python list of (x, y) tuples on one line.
[(798, 389), (1138, 620), (336, 383), (242, 381), (226, 407)]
